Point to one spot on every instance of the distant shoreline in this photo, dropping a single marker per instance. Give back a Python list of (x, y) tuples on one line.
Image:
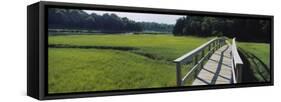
[(89, 32)]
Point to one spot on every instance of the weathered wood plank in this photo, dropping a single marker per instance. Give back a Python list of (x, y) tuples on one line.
[(217, 70)]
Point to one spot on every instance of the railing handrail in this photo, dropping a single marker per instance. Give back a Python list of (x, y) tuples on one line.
[(236, 63), (190, 54), (235, 54)]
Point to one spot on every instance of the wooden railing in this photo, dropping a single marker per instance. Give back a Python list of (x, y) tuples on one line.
[(237, 64), (198, 56)]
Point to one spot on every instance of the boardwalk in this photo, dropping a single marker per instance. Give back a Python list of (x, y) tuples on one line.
[(217, 70)]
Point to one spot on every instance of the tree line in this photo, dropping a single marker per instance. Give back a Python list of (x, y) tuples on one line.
[(111, 23), (254, 30)]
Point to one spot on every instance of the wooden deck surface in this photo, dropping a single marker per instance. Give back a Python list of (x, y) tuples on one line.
[(217, 70)]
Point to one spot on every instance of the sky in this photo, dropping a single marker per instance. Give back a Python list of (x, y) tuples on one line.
[(145, 17)]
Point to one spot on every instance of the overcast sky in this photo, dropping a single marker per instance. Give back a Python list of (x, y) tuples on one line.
[(145, 17)]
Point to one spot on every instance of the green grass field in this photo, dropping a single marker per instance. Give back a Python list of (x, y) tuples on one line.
[(114, 62), (258, 58)]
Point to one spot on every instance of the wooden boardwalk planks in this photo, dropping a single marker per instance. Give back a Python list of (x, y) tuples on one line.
[(217, 70)]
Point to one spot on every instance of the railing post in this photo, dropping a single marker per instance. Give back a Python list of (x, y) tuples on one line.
[(203, 53), (218, 41), (239, 72), (214, 46), (209, 47), (196, 59), (178, 72), (219, 44)]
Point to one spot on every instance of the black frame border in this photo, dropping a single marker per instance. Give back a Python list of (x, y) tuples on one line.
[(43, 49)]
